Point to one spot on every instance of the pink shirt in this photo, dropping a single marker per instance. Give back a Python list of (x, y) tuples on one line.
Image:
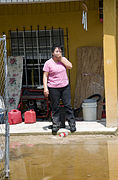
[(57, 76)]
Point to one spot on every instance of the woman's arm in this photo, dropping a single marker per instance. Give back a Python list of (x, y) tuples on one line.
[(66, 63), (45, 79)]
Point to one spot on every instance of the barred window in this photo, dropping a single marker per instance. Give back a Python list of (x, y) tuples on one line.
[(35, 48)]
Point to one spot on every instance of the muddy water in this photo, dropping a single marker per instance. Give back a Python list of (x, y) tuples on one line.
[(68, 158)]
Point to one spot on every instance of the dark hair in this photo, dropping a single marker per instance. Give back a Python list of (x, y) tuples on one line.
[(56, 46)]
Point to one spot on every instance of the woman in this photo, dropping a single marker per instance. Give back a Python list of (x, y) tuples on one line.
[(56, 85)]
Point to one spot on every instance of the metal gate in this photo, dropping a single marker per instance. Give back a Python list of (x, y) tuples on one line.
[(4, 126), (35, 45)]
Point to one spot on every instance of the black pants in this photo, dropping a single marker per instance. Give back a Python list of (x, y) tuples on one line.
[(55, 95)]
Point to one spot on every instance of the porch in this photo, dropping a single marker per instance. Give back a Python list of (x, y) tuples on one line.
[(83, 128)]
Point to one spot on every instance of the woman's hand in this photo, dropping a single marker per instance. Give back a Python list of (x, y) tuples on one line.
[(46, 93), (66, 62)]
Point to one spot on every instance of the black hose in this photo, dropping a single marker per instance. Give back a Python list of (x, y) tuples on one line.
[(95, 96)]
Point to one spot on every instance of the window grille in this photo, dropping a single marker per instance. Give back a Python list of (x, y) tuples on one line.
[(35, 47), (40, 1)]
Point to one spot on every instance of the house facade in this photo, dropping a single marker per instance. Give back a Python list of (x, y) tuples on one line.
[(32, 27)]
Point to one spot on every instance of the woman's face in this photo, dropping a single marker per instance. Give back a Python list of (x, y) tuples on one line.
[(57, 53)]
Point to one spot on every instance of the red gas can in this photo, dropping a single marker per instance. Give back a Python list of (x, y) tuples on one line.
[(30, 116), (14, 116)]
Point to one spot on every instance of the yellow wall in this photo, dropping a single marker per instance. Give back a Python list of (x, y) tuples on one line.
[(57, 15), (110, 63)]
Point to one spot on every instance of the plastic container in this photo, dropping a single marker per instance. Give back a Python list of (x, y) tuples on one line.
[(14, 116), (89, 108), (1, 116), (2, 110), (30, 116), (63, 134)]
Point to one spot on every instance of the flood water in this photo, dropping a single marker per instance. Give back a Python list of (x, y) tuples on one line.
[(75, 157)]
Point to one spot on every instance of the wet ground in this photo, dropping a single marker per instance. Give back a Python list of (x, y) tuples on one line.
[(74, 157)]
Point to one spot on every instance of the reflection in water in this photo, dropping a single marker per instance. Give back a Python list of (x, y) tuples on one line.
[(69, 158)]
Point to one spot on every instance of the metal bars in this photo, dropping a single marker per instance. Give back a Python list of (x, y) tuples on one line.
[(4, 127), (35, 47), (39, 1)]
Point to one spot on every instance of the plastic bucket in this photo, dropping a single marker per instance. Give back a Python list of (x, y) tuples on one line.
[(89, 108)]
